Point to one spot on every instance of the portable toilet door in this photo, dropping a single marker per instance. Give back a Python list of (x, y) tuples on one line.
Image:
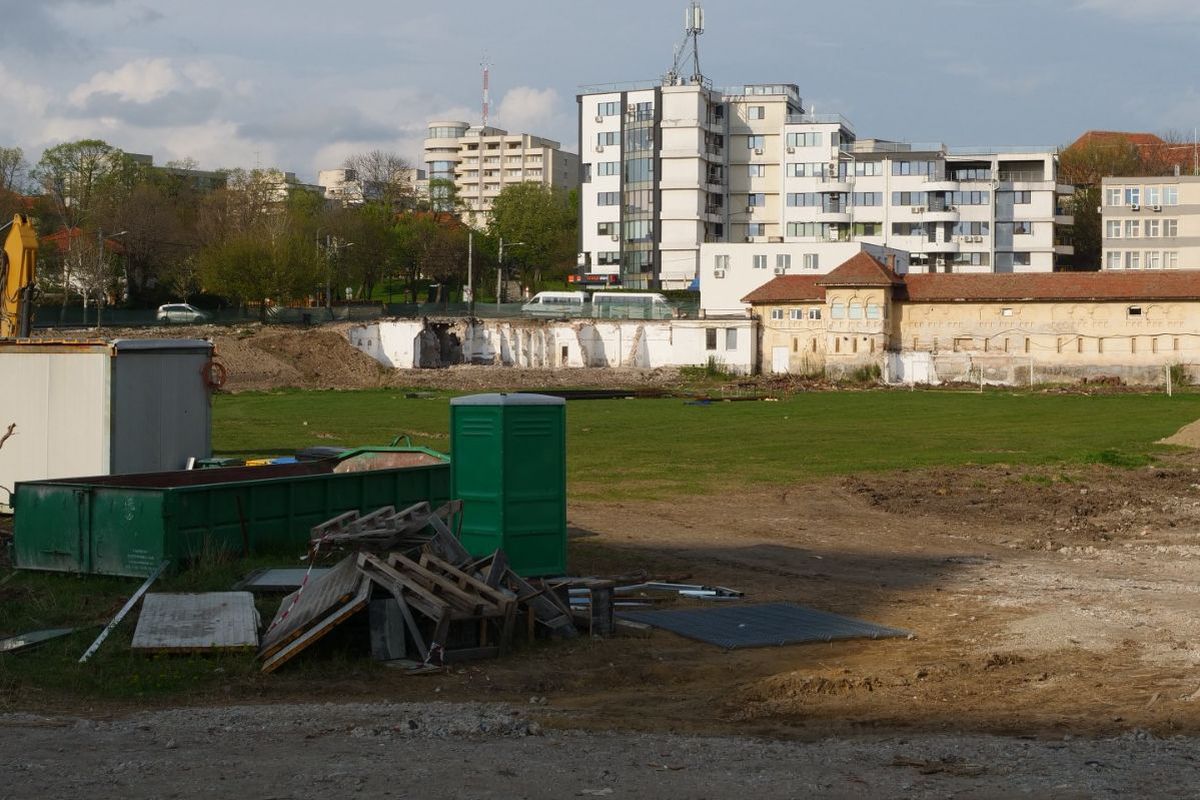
[(508, 465)]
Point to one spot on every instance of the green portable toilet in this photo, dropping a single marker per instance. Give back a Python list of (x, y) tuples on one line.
[(508, 464)]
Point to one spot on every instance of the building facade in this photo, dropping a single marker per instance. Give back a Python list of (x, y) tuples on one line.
[(1010, 329), (480, 161), (669, 168), (1150, 223), (345, 186)]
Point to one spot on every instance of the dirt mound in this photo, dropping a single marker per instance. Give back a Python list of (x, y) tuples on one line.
[(1187, 436)]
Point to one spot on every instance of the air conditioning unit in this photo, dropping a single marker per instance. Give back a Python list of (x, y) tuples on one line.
[(599, 148), (1135, 207), (749, 238), (750, 209), (631, 108), (758, 151), (915, 210), (1156, 208), (718, 273), (599, 118), (791, 149), (781, 270), (616, 237)]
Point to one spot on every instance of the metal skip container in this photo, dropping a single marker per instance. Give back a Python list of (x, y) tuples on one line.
[(509, 467)]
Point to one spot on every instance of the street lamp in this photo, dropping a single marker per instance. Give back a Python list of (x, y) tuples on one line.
[(500, 267)]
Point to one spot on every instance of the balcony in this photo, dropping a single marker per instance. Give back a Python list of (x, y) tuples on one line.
[(936, 214), (941, 247), (940, 183), (1064, 219), (836, 184), (1064, 250), (833, 216)]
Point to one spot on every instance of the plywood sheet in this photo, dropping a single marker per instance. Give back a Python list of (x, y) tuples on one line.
[(188, 623), (318, 598)]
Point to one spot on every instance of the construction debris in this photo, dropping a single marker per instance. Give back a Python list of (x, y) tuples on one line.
[(277, 580), (125, 609), (26, 641), (191, 623), (430, 601)]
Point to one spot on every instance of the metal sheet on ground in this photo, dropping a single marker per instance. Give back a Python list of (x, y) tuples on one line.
[(280, 579), (762, 625), (24, 641), (188, 623)]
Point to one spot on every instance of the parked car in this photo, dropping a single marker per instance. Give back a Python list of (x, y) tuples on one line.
[(181, 312)]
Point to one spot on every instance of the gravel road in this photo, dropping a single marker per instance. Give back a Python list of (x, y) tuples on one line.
[(488, 751)]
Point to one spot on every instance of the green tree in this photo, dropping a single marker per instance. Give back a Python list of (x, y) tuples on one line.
[(545, 221), (73, 175)]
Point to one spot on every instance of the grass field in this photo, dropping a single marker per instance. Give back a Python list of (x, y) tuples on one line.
[(617, 449), (640, 448)]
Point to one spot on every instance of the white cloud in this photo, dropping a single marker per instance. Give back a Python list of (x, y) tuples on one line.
[(138, 81), (525, 109)]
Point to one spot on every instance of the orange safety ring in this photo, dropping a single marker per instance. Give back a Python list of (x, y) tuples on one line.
[(214, 374)]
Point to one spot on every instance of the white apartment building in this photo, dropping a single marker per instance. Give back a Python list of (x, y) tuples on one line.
[(1151, 222), (669, 168), (348, 188), (481, 161)]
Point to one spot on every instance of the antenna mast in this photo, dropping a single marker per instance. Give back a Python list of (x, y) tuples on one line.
[(693, 26), (487, 97)]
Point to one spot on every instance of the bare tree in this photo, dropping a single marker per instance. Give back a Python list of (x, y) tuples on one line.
[(385, 178)]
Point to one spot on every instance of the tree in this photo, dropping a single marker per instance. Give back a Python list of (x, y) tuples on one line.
[(72, 174), (385, 178), (14, 177), (430, 245), (545, 221)]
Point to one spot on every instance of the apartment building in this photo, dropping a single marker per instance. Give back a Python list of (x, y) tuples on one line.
[(1150, 222), (347, 187), (667, 169), (481, 161)]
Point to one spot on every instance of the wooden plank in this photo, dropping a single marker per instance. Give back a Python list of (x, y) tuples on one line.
[(496, 596), (189, 623), (125, 609), (443, 586), (426, 602), (304, 607), (340, 615)]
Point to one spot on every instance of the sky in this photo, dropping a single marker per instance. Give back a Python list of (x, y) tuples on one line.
[(300, 85)]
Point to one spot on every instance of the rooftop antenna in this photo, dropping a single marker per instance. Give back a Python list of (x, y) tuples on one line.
[(693, 26), (487, 98)]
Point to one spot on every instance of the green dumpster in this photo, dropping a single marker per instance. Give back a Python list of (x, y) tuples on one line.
[(126, 524), (509, 467)]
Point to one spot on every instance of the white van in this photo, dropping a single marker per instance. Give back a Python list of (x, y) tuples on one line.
[(630, 305), (555, 304)]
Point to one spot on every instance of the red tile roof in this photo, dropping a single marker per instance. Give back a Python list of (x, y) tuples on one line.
[(1136, 139), (787, 288), (861, 269), (61, 239), (1053, 286)]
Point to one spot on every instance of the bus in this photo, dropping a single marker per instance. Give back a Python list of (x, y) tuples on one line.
[(630, 305)]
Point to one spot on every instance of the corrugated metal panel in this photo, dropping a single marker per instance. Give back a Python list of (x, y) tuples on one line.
[(183, 623), (59, 399)]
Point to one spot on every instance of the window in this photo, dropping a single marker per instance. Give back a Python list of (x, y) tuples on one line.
[(909, 198), (1021, 259), (756, 199), (1133, 196), (1134, 311), (756, 229), (608, 198), (608, 137), (608, 168), (1112, 229), (777, 313), (868, 168), (639, 169), (755, 142), (1170, 196), (1153, 196), (805, 139), (731, 338), (837, 311), (971, 228), (1006, 312), (805, 230), (783, 261), (810, 261), (1112, 196), (760, 262), (868, 229), (587, 173), (801, 199), (606, 228), (1170, 259), (864, 199), (757, 170), (1023, 228), (639, 139), (608, 109), (914, 168), (1133, 260), (1133, 228), (796, 315), (643, 112), (873, 311), (710, 338), (1153, 259), (608, 258), (856, 310), (1152, 228), (721, 262), (1114, 260), (1022, 198), (756, 112), (806, 170), (814, 313), (1170, 228)]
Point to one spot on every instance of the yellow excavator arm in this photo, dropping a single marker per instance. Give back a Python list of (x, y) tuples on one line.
[(18, 268)]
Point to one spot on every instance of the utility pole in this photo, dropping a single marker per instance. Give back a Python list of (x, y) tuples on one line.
[(500, 268), (470, 298)]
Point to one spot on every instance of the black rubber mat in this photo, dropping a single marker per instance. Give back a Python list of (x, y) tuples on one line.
[(764, 625)]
